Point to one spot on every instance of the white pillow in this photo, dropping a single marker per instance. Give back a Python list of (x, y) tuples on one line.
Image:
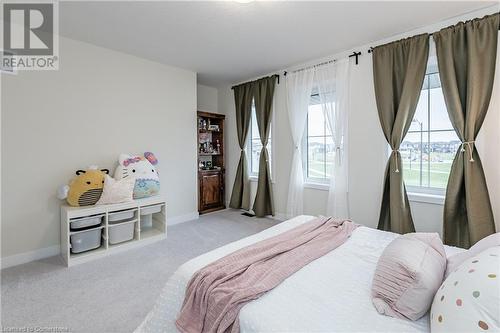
[(456, 260), (116, 191), (469, 299), (408, 273)]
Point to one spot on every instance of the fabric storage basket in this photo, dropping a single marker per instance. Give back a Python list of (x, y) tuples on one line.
[(85, 222), (86, 240), (121, 232)]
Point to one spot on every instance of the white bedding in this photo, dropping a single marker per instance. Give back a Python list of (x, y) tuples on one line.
[(331, 294)]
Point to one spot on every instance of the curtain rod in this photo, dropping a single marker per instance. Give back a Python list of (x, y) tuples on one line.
[(370, 50), (274, 75), (354, 54)]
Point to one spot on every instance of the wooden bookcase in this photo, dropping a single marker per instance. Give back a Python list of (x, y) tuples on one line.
[(211, 188)]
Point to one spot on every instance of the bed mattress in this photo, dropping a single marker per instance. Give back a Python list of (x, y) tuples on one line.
[(331, 294)]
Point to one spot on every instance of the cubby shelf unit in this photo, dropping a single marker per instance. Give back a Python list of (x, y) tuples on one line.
[(143, 235)]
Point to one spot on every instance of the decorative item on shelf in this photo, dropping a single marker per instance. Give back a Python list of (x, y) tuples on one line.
[(85, 189), (117, 191), (201, 165), (208, 164), (142, 169), (214, 128), (204, 126), (204, 137), (218, 147)]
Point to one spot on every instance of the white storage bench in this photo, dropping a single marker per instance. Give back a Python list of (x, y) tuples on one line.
[(91, 232)]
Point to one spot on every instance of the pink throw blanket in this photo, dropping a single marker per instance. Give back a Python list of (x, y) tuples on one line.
[(216, 293)]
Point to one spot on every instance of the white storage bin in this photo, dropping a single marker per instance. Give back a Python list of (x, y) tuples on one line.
[(121, 216), (86, 240), (150, 210), (121, 232), (85, 222)]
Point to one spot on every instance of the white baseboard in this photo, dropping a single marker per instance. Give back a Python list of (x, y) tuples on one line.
[(23, 258), (182, 218), (26, 257)]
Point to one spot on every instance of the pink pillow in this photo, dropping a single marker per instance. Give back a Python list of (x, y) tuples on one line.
[(408, 274), (456, 260)]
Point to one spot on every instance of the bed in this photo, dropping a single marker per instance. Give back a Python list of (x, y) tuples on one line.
[(330, 294)]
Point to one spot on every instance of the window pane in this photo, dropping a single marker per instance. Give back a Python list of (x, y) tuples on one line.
[(429, 147), (255, 145), (420, 119), (444, 146), (315, 121), (411, 158), (439, 114), (330, 156), (255, 128), (256, 148), (434, 81), (316, 157)]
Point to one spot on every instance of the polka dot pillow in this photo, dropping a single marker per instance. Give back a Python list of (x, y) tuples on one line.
[(469, 298)]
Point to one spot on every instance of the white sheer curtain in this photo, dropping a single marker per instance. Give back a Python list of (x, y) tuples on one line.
[(487, 143), (298, 93), (333, 85)]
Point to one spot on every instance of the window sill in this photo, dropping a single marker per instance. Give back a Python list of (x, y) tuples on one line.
[(317, 186), (435, 199)]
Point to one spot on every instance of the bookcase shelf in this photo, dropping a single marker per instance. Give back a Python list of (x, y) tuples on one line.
[(145, 231), (211, 187)]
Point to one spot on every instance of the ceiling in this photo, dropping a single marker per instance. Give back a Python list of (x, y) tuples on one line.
[(228, 42)]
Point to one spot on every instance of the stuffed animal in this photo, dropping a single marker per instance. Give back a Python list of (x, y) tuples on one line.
[(142, 168), (85, 189)]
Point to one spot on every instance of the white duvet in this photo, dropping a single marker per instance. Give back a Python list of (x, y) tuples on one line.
[(331, 294)]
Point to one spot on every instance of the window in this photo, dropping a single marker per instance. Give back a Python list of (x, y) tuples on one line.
[(318, 149), (254, 145), (431, 143)]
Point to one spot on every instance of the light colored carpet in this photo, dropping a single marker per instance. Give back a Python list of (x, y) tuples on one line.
[(115, 293)]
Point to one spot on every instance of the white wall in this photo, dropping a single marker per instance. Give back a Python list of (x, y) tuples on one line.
[(99, 104), (207, 98), (368, 152)]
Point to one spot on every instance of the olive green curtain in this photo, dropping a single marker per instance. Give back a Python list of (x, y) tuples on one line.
[(466, 56), (398, 71), (243, 95), (263, 97)]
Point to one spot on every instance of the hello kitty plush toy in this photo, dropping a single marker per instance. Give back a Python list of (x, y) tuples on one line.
[(142, 168)]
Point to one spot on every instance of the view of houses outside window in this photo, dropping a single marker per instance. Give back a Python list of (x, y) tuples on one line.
[(431, 143), (319, 148), (427, 151)]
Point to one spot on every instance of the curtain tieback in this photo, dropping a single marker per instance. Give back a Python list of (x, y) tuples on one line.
[(338, 151), (395, 155), (470, 145)]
